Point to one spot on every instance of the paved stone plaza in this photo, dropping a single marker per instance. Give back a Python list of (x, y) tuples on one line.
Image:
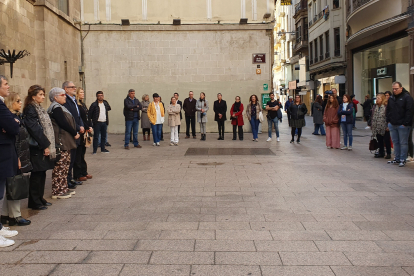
[(304, 211)]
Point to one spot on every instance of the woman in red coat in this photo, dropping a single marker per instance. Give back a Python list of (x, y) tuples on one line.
[(236, 116)]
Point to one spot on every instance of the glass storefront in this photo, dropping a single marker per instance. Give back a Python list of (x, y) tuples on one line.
[(376, 68)]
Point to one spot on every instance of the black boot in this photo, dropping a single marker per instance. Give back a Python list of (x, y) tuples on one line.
[(204, 137), (4, 219), (19, 221)]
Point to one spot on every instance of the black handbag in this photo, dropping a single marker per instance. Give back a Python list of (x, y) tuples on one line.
[(17, 187), (373, 144)]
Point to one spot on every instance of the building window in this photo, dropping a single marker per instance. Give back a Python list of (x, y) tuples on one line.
[(335, 4), (298, 34), (321, 47), (315, 42), (311, 52), (337, 42), (63, 5), (305, 30), (327, 54)]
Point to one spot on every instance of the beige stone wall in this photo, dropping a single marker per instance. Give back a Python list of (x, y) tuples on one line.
[(211, 60)]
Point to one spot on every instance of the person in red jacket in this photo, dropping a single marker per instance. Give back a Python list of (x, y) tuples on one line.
[(236, 115)]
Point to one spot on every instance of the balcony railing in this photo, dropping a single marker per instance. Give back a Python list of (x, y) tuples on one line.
[(310, 23), (316, 59), (320, 15), (302, 6), (321, 57), (327, 55), (311, 61), (315, 18), (337, 52), (353, 5)]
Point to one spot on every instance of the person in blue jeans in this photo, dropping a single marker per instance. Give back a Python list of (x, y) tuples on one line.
[(272, 108), (317, 114), (399, 116), (346, 117), (252, 111), (156, 117), (131, 112)]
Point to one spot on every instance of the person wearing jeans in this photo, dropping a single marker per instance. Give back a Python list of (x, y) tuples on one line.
[(98, 113), (317, 114), (131, 112), (252, 111), (272, 108), (156, 117), (345, 114)]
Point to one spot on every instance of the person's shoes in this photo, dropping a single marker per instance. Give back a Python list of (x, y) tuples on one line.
[(7, 233), (104, 151), (158, 144), (94, 152), (388, 156), (64, 196), (292, 141), (367, 127), (71, 186), (187, 137), (393, 161), (256, 140), (402, 164), (329, 147), (4, 219), (315, 133), (344, 148), (40, 207), (298, 141), (175, 144), (277, 139), (194, 137), (241, 139), (138, 146), (323, 134), (234, 138), (107, 144), (5, 242), (127, 147), (82, 178), (269, 139), (219, 138), (74, 182), (349, 148), (145, 138), (379, 156), (71, 192), (154, 144), (354, 128), (148, 138), (88, 176), (47, 204), (171, 144), (19, 221)]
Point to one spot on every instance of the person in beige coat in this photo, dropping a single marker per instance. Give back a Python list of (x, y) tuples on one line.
[(174, 121)]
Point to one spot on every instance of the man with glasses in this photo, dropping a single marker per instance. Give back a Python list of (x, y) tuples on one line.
[(72, 106), (189, 107), (399, 115)]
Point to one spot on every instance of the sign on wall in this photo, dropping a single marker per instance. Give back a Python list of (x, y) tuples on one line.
[(265, 99), (259, 58), (265, 87), (285, 2)]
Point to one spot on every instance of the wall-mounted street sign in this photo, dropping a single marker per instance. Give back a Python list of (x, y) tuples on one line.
[(285, 2), (259, 58), (265, 87), (258, 71)]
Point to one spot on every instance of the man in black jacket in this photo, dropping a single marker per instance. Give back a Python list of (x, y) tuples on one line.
[(189, 107), (131, 112), (72, 106), (98, 113), (399, 114)]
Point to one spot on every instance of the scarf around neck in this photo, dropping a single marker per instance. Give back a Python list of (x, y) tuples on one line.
[(236, 107), (47, 126)]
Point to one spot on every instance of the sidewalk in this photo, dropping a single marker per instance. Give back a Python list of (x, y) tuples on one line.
[(300, 210)]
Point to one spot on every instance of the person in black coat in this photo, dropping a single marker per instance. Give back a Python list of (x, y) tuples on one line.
[(220, 110), (297, 112), (100, 121), (80, 168), (131, 112), (367, 107), (42, 146)]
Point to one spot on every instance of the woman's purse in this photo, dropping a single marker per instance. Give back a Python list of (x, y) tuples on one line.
[(17, 187), (260, 116), (87, 140), (373, 144)]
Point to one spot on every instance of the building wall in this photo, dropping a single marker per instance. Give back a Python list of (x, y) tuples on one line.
[(210, 59)]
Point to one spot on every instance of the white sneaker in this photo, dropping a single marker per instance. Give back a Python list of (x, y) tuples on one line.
[(5, 242), (349, 148), (278, 139), (72, 192), (368, 127), (158, 143), (171, 144), (269, 139), (344, 148), (154, 144), (7, 233)]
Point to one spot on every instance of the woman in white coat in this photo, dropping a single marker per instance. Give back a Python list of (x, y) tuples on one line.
[(174, 121), (202, 108)]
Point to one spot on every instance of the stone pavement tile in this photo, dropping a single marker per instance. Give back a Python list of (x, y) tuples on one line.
[(47, 245), (155, 270), (225, 225), (384, 225), (191, 217), (87, 269), (105, 226), (12, 257), (348, 246), (33, 235), (247, 258), (196, 204), (409, 269), (100, 245), (128, 216), (77, 235), (285, 225), (118, 257), (224, 245), (172, 226), (225, 270), (132, 235), (238, 204), (242, 235), (166, 245), (313, 258), (289, 217), (296, 271), (368, 271), (58, 226), (98, 218), (187, 235), (247, 217), (27, 269), (400, 235), (397, 246), (300, 235), (178, 210), (380, 259), (328, 225), (223, 211), (55, 257), (402, 218), (361, 235), (300, 246), (338, 217), (168, 257)]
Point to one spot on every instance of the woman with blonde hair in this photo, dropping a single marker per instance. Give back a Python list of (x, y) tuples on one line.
[(156, 118), (379, 126), (174, 121), (145, 123)]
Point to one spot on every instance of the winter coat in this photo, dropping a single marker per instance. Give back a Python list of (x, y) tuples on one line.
[(330, 117), (239, 121), (298, 112), (400, 109), (367, 107), (72, 107), (189, 107), (249, 111), (87, 123), (220, 108), (348, 113), (378, 120), (287, 104), (64, 126), (317, 112), (355, 102), (22, 146), (94, 111), (152, 112), (202, 105), (174, 115), (145, 123), (129, 104), (8, 154)]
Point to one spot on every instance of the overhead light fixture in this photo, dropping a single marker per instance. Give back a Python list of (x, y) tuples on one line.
[(243, 21), (125, 22), (176, 21)]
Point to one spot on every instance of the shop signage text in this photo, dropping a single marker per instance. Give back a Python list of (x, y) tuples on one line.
[(382, 71), (292, 85), (259, 58), (285, 2)]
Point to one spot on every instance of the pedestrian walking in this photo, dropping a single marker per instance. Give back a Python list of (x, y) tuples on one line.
[(156, 117), (174, 111), (145, 123), (98, 112), (202, 108), (220, 110), (399, 115), (367, 107), (272, 107), (317, 114), (253, 111), (287, 104), (345, 113), (298, 111), (379, 126), (131, 112), (189, 108), (331, 119), (236, 115)]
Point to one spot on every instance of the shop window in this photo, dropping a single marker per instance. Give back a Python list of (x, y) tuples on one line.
[(335, 4), (327, 54), (337, 41), (321, 47), (63, 5)]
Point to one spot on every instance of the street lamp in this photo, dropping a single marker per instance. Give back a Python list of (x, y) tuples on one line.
[(12, 58)]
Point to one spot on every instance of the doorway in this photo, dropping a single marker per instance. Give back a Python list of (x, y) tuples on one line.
[(381, 85)]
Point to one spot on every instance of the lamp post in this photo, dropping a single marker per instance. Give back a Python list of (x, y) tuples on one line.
[(12, 58)]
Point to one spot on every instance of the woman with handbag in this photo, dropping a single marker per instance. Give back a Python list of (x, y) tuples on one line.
[(236, 114), (11, 208), (202, 108), (297, 112), (253, 112), (220, 110), (379, 126), (345, 113), (42, 145), (64, 126), (80, 168), (331, 119)]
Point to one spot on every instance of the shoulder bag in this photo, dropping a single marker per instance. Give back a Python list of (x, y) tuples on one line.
[(373, 144), (17, 187)]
